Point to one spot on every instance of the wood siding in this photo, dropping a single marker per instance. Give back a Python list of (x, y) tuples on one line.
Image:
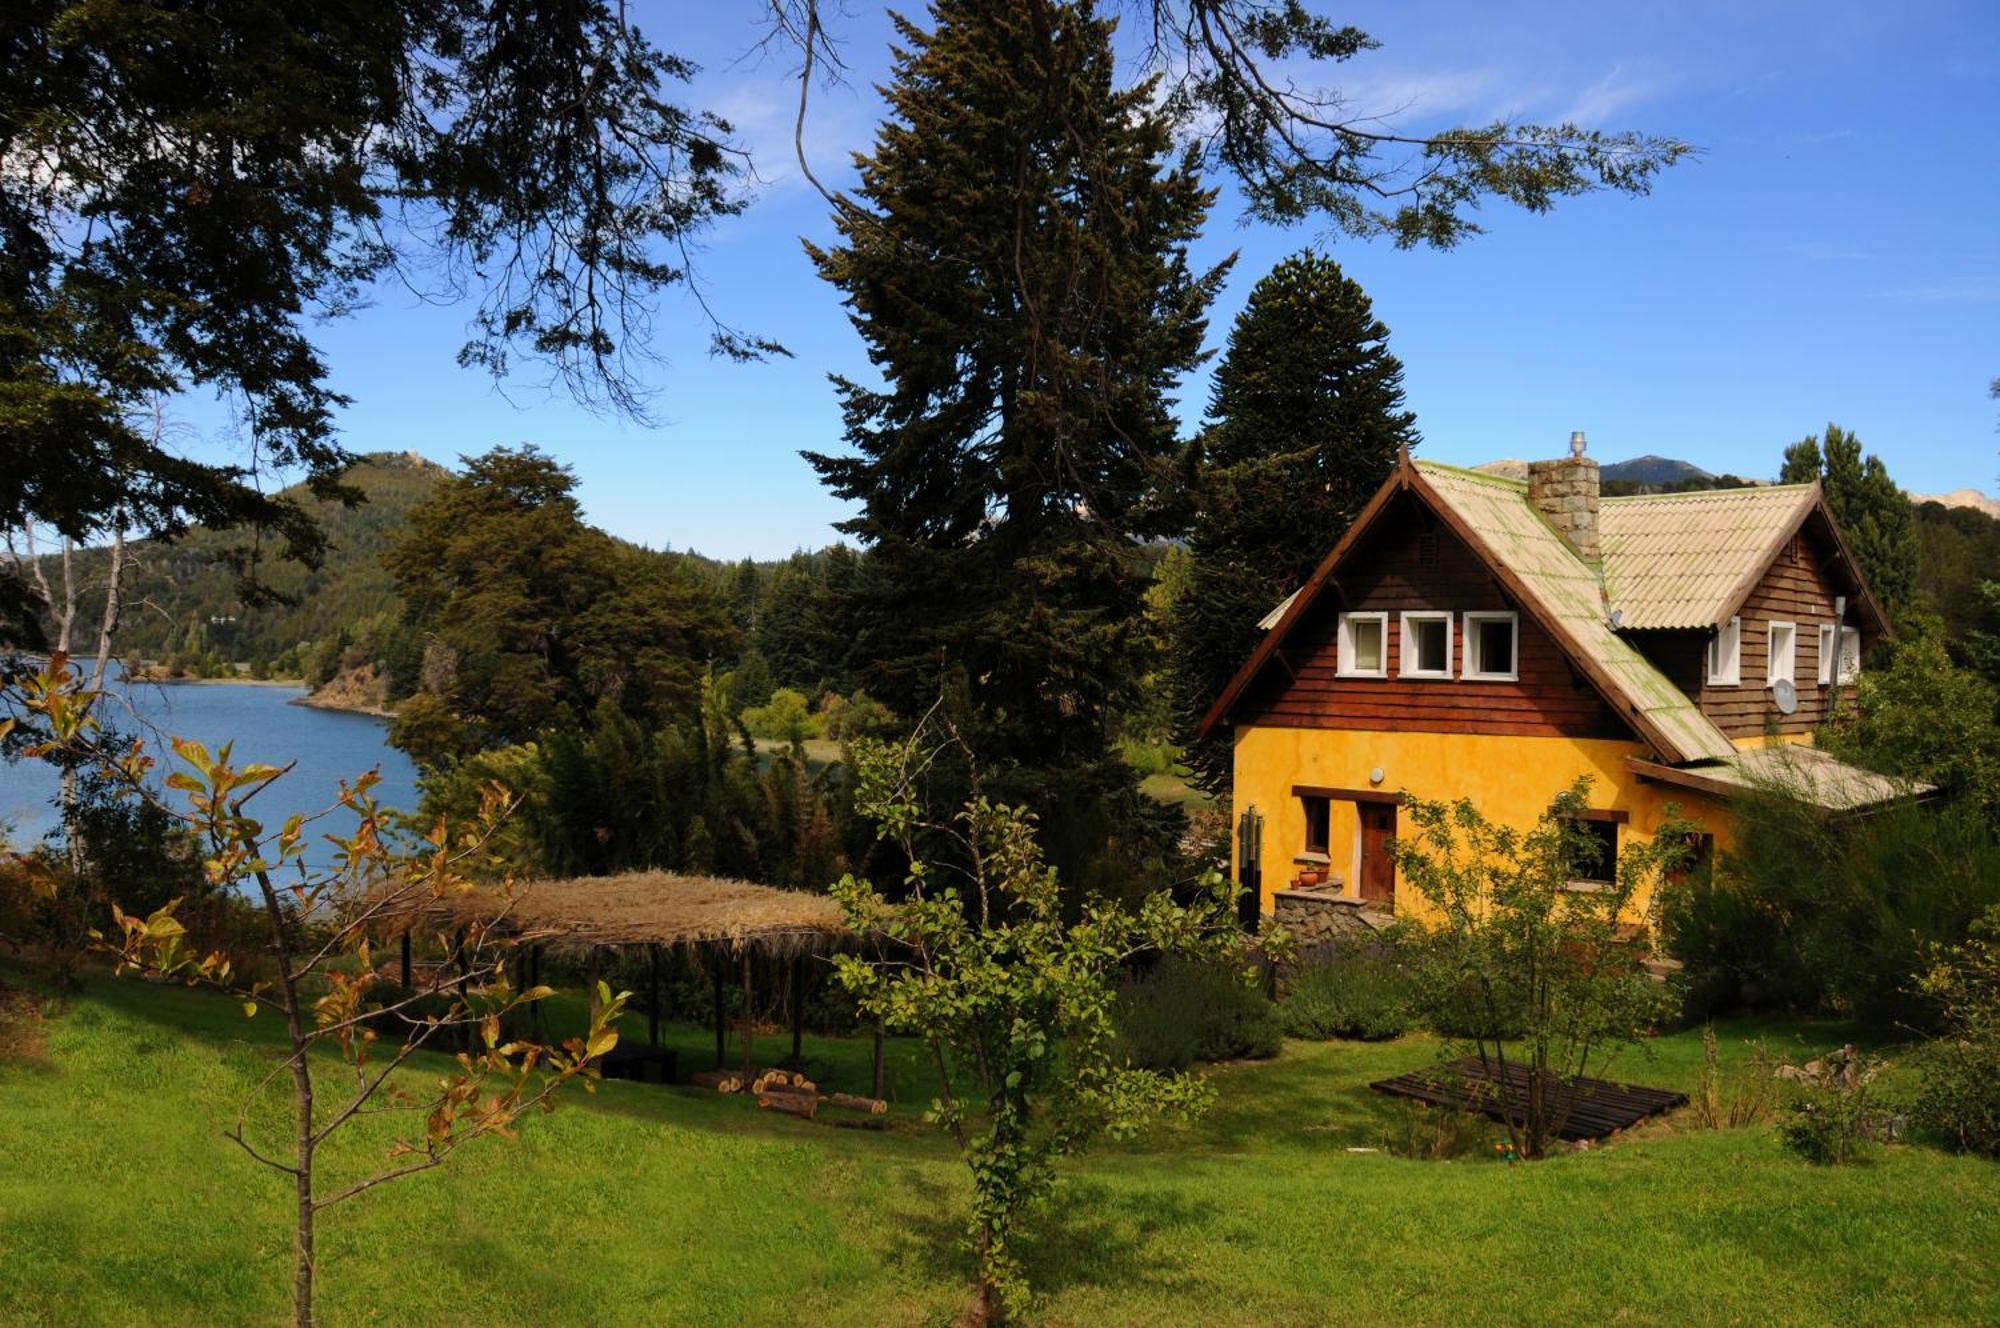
[(1795, 589), (1411, 563)]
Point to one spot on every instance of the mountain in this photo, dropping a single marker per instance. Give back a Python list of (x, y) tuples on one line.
[(1971, 498), (1646, 474), (184, 600), (1653, 472)]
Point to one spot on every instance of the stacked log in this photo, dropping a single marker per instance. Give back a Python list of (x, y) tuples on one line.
[(874, 1106), (722, 1081), (787, 1091)]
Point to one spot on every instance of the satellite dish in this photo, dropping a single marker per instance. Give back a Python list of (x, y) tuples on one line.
[(1786, 695)]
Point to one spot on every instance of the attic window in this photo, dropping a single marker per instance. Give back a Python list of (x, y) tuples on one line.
[(1364, 645), (1427, 549), (1426, 646), (1725, 655), (1849, 655), (1492, 646), (1781, 654)]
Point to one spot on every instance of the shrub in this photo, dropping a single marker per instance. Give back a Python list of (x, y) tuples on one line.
[(1958, 1098), (1182, 1012), (1433, 1134), (784, 718), (1829, 915), (1512, 945), (1353, 989), (1723, 1101), (1831, 1117)]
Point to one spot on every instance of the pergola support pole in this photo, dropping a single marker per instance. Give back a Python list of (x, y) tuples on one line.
[(653, 1004), (721, 1015), (798, 1012), (749, 1018)]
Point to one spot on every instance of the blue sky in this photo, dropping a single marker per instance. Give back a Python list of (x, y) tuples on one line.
[(1833, 254)]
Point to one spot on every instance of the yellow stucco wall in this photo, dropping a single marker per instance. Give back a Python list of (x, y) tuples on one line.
[(1510, 779)]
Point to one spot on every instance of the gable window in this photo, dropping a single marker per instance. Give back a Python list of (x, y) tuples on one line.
[(1725, 654), (1319, 817), (1781, 654), (1847, 659), (1364, 645), (1426, 646), (1850, 653), (1492, 646), (1827, 635)]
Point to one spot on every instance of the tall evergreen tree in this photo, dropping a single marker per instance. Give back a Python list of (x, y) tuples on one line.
[(1305, 423), (530, 614), (1875, 515), (1019, 272)]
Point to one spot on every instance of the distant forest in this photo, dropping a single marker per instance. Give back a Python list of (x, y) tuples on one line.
[(187, 609)]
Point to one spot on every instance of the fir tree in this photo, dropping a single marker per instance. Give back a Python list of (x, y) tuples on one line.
[(1305, 423), (1874, 513), (1019, 273)]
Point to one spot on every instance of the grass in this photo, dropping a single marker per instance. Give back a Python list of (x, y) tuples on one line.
[(120, 1203)]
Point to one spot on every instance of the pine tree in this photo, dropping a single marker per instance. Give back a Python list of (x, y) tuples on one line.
[(1020, 276), (1305, 423), (1875, 515)]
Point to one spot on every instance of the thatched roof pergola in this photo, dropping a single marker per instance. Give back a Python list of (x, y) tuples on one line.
[(660, 908)]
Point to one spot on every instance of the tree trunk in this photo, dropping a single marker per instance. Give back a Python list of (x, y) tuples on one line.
[(798, 1013), (877, 1090), (302, 1091), (653, 1003)]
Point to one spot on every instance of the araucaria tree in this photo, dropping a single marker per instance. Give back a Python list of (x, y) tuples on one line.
[(1016, 262), (1014, 1001), (1874, 514), (1519, 945), (1305, 423)]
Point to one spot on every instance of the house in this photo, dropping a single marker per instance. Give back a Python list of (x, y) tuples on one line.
[(1481, 637)]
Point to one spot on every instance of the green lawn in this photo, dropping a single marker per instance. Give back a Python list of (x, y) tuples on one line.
[(120, 1204)]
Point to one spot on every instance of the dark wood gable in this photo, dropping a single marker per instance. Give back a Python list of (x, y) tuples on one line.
[(1799, 588), (1409, 561)]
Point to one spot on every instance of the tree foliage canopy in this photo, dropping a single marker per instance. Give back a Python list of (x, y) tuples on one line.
[(1305, 423), (1020, 278), (527, 610), (189, 185), (1874, 514)]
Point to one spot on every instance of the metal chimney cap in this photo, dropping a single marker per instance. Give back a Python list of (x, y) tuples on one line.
[(1576, 443)]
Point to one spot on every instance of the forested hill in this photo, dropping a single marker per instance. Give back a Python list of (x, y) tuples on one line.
[(185, 601)]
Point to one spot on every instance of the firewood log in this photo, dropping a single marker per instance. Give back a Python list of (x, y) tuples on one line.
[(792, 1104), (874, 1106)]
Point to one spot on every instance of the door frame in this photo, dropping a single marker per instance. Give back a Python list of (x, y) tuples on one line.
[(1358, 796)]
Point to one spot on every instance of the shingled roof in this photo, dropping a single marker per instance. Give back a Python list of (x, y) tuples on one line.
[(1682, 559), (1564, 593)]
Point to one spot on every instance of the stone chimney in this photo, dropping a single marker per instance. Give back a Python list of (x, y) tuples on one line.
[(1565, 491)]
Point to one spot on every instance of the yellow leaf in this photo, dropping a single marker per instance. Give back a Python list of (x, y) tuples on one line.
[(602, 1041), (249, 1009)]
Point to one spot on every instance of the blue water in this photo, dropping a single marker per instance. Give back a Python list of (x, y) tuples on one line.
[(328, 746)]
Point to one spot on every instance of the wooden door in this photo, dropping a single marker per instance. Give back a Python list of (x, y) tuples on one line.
[(1378, 869)]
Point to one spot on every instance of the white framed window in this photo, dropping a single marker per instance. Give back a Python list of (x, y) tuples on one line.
[(1725, 654), (1493, 646), (1828, 633), (1781, 650), (1364, 645), (1426, 646), (1850, 653)]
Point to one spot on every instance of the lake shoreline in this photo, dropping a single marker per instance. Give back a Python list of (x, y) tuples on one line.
[(314, 701)]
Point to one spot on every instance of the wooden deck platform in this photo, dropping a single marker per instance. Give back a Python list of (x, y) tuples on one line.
[(1596, 1107)]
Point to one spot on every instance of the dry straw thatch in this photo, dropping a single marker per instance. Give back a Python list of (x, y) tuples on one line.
[(660, 908)]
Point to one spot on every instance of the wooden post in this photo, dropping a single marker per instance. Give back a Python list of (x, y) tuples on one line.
[(749, 1018), (877, 1090), (721, 1018), (798, 1011), (653, 1020), (407, 984)]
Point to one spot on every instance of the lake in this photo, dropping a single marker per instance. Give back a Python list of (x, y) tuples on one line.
[(329, 745)]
